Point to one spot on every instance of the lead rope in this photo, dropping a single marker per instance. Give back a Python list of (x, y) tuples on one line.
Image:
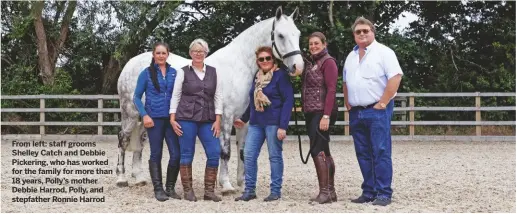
[(299, 138)]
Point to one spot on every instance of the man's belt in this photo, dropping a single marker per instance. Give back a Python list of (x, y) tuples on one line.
[(363, 107)]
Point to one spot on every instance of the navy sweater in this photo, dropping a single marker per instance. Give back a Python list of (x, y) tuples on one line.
[(280, 92)]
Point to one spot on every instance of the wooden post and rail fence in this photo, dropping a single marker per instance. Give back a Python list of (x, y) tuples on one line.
[(401, 97)]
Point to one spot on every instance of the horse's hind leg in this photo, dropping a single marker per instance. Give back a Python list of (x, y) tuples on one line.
[(137, 157), (124, 137), (123, 141), (241, 137), (224, 179)]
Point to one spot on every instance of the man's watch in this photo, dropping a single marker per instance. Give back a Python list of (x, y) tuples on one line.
[(326, 116), (383, 105)]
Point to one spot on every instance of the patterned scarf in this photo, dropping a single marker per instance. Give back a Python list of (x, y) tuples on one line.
[(261, 81)]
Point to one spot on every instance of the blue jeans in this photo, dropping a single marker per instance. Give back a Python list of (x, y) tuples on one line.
[(191, 130), (254, 141), (163, 129), (371, 131)]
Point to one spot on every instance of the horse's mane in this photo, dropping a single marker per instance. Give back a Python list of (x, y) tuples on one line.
[(248, 36)]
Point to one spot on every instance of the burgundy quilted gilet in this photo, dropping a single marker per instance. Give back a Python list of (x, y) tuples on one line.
[(313, 86)]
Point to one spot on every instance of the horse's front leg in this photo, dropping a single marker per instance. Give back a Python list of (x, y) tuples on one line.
[(241, 137), (137, 158), (224, 179)]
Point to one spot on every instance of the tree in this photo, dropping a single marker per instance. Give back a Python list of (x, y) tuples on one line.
[(49, 44), (139, 24)]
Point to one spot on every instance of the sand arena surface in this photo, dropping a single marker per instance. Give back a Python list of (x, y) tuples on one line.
[(428, 177)]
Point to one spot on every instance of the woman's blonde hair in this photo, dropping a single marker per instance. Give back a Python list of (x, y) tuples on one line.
[(199, 42)]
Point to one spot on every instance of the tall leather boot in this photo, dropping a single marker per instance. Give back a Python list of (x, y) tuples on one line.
[(323, 179), (155, 169), (170, 183), (332, 172), (210, 177), (186, 181)]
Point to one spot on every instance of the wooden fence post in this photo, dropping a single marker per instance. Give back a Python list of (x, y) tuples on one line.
[(347, 120), (403, 104), (42, 116), (100, 116), (411, 115), (478, 114)]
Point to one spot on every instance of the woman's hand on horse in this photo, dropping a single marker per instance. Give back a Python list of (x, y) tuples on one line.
[(148, 122), (216, 128), (176, 127), (281, 134), (238, 123)]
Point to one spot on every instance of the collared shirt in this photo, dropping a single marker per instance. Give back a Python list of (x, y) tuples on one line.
[(178, 85), (199, 73), (366, 80)]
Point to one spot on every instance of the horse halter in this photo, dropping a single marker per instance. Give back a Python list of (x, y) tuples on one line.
[(292, 53)]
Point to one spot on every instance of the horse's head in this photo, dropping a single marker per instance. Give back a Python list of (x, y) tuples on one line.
[(285, 38)]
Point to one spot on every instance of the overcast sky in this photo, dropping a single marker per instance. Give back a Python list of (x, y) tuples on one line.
[(403, 22)]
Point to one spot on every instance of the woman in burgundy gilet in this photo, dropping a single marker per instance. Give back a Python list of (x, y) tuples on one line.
[(320, 108)]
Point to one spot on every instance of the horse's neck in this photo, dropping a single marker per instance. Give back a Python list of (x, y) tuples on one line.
[(242, 48)]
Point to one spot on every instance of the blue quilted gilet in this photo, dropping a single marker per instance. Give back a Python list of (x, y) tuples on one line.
[(157, 104)]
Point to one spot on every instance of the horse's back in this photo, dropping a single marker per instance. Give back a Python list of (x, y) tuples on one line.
[(126, 84), (129, 76)]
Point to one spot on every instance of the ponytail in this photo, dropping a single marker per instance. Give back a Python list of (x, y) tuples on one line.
[(154, 76)]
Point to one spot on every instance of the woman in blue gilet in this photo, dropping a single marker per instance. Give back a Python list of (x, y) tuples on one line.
[(157, 82)]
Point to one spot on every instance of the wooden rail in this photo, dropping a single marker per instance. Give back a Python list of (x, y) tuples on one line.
[(402, 97)]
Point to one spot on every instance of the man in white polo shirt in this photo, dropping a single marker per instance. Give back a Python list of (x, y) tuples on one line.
[(371, 77)]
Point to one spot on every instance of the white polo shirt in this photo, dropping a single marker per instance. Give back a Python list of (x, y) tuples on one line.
[(366, 80)]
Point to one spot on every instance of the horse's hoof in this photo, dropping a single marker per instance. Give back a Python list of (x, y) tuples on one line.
[(122, 184), (227, 189), (226, 193), (141, 183)]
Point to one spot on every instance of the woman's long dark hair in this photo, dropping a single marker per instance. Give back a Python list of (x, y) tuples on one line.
[(154, 76)]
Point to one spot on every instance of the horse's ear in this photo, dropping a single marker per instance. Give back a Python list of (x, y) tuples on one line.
[(294, 14), (278, 13)]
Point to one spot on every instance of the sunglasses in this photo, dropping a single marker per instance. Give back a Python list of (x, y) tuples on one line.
[(365, 31), (262, 59)]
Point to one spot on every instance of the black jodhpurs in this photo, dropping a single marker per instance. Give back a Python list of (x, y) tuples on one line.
[(317, 136)]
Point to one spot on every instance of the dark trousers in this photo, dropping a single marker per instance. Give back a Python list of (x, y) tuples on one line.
[(161, 130), (371, 131), (319, 140)]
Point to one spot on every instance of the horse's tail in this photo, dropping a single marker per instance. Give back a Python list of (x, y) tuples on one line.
[(135, 143)]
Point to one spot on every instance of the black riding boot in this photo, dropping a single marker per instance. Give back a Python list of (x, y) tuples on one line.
[(170, 183), (155, 170)]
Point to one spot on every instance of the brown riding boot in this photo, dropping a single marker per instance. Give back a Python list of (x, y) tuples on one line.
[(332, 172), (210, 177), (323, 178), (186, 181)]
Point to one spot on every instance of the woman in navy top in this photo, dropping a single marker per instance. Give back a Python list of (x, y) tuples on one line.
[(157, 82), (269, 111)]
